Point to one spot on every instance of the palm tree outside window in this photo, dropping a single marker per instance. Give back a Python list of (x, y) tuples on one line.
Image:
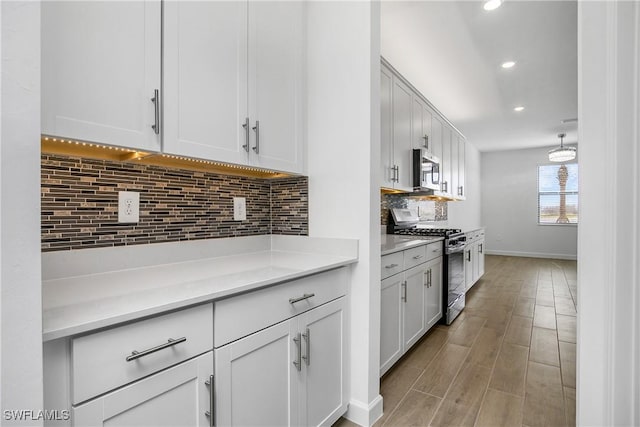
[(558, 194)]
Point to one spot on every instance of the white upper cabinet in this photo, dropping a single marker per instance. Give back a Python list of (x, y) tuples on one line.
[(386, 128), (402, 144), (437, 132), (205, 79), (446, 159), (408, 121), (461, 168), (100, 71), (421, 133), (276, 42), (454, 185), (232, 88), (234, 82)]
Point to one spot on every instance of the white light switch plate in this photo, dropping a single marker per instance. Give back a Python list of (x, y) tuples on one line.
[(128, 206), (239, 208)]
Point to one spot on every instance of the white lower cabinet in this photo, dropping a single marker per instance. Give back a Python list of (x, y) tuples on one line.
[(410, 301), (474, 258), (413, 298), (291, 373), (280, 360), (390, 321), (433, 301), (178, 396)]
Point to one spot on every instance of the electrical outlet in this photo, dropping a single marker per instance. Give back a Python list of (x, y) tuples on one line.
[(128, 207), (239, 208)]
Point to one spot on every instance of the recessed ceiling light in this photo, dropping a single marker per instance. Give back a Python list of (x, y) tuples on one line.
[(519, 108), (508, 64), (492, 4)]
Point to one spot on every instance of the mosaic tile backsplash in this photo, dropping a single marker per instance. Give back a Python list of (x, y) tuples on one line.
[(429, 210), (80, 204)]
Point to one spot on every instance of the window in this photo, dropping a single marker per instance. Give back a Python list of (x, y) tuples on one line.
[(558, 194)]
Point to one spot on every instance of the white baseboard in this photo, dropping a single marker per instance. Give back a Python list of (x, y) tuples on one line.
[(533, 255), (363, 414)]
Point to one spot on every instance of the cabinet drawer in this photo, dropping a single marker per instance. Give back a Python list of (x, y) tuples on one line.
[(242, 315), (391, 264), (415, 256), (99, 361), (434, 250)]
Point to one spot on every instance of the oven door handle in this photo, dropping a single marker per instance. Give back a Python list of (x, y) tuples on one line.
[(456, 249)]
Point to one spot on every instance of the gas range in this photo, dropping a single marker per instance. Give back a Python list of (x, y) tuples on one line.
[(404, 222)]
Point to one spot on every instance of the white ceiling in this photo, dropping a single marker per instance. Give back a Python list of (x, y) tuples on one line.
[(452, 52)]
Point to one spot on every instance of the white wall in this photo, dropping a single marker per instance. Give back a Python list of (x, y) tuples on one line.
[(20, 294), (343, 165), (466, 214), (608, 352), (509, 207)]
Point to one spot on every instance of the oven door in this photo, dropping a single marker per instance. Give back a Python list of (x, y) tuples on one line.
[(456, 288)]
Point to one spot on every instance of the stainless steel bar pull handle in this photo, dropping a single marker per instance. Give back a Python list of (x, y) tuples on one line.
[(417, 257), (246, 134), (391, 266), (480, 248), (170, 343), (256, 128), (302, 298), (211, 412), (404, 291), (426, 141), (298, 362), (430, 282), (307, 340), (469, 256), (156, 103)]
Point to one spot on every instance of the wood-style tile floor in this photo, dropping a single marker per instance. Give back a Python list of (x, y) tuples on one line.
[(508, 360)]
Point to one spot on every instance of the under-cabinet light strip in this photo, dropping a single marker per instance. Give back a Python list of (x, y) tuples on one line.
[(139, 155)]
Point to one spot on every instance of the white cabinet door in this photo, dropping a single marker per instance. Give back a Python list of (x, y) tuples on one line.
[(433, 293), (402, 144), (446, 159), (177, 396), (461, 165), (480, 258), (390, 321), (421, 124), (436, 145), (276, 42), (413, 305), (205, 80), (386, 128), (100, 68), (468, 266), (256, 381), (453, 186), (324, 345)]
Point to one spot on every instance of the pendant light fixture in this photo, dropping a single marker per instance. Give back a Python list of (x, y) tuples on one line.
[(562, 153)]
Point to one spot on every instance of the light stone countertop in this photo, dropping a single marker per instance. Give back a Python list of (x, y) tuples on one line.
[(390, 243), (95, 288)]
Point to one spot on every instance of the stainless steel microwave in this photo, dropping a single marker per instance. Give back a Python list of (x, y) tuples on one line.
[(425, 170)]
